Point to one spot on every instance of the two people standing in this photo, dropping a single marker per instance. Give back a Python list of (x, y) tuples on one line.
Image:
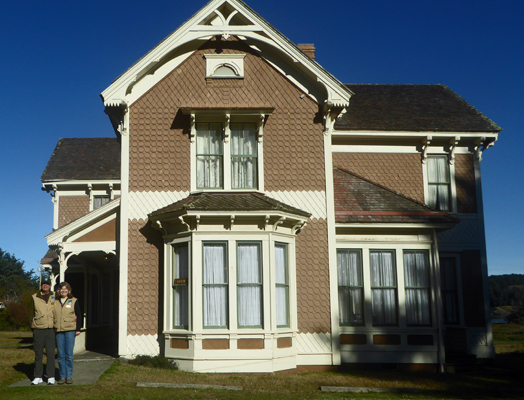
[(52, 313)]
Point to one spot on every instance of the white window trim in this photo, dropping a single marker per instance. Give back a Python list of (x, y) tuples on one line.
[(235, 62), (401, 289), (452, 181), (225, 119)]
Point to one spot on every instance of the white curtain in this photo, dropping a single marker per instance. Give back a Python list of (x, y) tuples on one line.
[(383, 283), (181, 306), (209, 155), (416, 276), (243, 156), (438, 178), (448, 281), (282, 287), (215, 285), (350, 287), (249, 285)]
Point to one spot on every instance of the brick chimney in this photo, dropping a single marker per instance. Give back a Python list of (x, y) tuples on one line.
[(308, 49)]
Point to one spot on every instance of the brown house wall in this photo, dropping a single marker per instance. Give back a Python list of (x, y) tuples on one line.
[(71, 208), (144, 280), (106, 232), (465, 183), (293, 160), (399, 172), (313, 301)]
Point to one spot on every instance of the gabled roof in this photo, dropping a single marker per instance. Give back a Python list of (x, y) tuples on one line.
[(229, 202), (411, 108), (84, 159), (223, 18), (359, 200)]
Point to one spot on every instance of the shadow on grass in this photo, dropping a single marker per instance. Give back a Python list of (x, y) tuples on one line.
[(25, 340), (26, 369)]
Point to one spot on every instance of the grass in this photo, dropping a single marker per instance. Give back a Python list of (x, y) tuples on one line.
[(119, 382)]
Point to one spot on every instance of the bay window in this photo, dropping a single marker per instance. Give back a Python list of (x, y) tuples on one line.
[(282, 284), (215, 285), (180, 286), (249, 285), (416, 281)]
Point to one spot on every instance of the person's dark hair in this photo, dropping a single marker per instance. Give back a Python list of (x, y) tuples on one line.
[(69, 288)]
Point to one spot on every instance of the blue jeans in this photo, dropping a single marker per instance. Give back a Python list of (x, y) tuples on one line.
[(65, 342)]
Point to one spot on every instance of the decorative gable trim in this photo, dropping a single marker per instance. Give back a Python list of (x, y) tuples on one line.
[(224, 18)]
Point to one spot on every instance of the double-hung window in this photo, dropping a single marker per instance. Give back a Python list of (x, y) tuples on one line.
[(180, 286), (210, 155), (449, 290), (244, 155), (215, 285), (99, 201), (282, 284), (249, 285), (439, 182), (383, 287), (350, 287), (417, 286)]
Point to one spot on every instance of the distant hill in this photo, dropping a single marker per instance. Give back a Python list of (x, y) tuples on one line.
[(506, 290)]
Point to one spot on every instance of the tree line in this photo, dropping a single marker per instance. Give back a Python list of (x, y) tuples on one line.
[(506, 290), (16, 287)]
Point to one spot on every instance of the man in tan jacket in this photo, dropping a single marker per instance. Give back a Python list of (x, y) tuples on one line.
[(43, 332)]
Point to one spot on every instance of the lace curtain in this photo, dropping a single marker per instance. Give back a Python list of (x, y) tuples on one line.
[(209, 155), (243, 156), (215, 285), (350, 289), (438, 182), (282, 287), (249, 285), (416, 276), (383, 287)]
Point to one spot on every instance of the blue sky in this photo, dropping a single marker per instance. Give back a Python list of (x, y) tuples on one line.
[(58, 56)]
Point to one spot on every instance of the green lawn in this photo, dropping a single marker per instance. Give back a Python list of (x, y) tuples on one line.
[(502, 380)]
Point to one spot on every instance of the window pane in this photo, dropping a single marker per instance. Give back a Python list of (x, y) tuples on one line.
[(99, 201), (249, 282), (448, 281), (209, 155), (416, 276), (438, 183), (383, 287), (350, 291), (180, 291), (282, 286), (215, 285), (243, 156)]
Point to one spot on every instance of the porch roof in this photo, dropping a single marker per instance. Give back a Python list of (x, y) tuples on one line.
[(359, 200)]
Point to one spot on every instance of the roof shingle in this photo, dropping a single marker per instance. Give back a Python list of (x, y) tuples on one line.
[(416, 108)]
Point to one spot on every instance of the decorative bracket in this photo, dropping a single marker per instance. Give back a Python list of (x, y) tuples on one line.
[(158, 226), (266, 222), (452, 146), (181, 219), (197, 222), (298, 227), (227, 129), (480, 146), (261, 128), (192, 130), (425, 148), (279, 222), (326, 119), (231, 222)]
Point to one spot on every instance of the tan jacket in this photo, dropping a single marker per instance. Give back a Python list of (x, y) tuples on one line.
[(43, 312), (64, 315)]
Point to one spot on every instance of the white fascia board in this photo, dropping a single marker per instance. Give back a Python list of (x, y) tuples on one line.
[(414, 134), (338, 94), (90, 246), (224, 214), (395, 225), (81, 182), (98, 214)]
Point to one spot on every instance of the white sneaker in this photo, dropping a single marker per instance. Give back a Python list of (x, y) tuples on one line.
[(36, 381), (51, 381)]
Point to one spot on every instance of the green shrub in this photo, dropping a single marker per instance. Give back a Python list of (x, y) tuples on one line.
[(154, 362)]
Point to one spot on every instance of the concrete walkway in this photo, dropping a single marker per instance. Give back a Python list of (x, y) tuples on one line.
[(87, 369)]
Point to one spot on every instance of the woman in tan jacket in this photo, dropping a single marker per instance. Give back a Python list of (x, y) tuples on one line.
[(67, 324)]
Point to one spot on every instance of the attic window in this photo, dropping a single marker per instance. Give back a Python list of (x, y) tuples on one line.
[(224, 65)]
